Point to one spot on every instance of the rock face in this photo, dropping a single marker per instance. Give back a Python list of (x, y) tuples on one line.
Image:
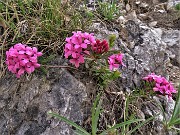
[(24, 105), (147, 50), (150, 109), (145, 53), (172, 39)]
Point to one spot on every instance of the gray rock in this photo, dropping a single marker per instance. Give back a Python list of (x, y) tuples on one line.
[(102, 32), (24, 109), (148, 55), (147, 50), (172, 3), (172, 39)]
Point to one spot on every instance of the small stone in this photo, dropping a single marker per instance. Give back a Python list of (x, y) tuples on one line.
[(132, 16), (2, 103), (123, 12), (170, 65), (161, 11), (121, 19), (144, 5), (152, 24), (159, 31), (128, 8), (138, 2)]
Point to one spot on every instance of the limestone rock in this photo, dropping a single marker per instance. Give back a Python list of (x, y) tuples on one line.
[(24, 105), (172, 39)]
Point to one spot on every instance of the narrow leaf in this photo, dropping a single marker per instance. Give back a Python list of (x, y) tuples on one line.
[(95, 114), (119, 125), (176, 111), (141, 124), (112, 39), (69, 122)]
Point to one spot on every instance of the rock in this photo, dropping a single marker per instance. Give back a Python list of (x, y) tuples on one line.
[(102, 32), (148, 54), (132, 16), (144, 5), (121, 20), (24, 105), (152, 24), (146, 50), (172, 39), (153, 108), (128, 8), (172, 3), (138, 2)]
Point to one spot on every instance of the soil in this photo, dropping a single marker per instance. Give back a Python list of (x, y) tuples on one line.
[(156, 10)]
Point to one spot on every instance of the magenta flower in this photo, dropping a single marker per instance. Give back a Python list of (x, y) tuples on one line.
[(76, 61), (77, 47), (21, 58), (115, 61), (100, 47), (161, 85)]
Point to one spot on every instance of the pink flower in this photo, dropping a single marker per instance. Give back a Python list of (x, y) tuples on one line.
[(115, 61), (161, 84), (21, 58), (77, 61), (100, 47), (77, 47)]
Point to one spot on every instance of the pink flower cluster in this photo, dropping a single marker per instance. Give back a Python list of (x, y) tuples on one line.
[(21, 58), (115, 61), (77, 46), (161, 84), (81, 44), (100, 47)]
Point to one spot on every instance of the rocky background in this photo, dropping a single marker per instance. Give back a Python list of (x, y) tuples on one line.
[(149, 45)]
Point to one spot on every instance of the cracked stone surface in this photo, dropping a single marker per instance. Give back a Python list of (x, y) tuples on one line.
[(147, 50), (24, 105)]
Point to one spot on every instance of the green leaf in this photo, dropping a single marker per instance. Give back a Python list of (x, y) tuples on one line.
[(141, 124), (77, 132), (115, 75), (176, 112), (45, 60), (177, 7), (96, 110), (175, 122), (69, 122), (44, 70), (112, 39), (119, 125)]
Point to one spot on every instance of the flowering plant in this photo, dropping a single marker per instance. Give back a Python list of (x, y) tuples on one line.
[(21, 58), (77, 47), (102, 61), (115, 61), (160, 84), (100, 47)]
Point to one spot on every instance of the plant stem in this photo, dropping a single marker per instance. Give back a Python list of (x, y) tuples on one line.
[(56, 66)]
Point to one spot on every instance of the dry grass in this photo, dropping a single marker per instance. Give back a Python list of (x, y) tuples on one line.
[(42, 23)]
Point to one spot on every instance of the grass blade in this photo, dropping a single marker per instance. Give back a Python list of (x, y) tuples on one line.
[(96, 110), (69, 122), (119, 125), (141, 124), (176, 112)]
